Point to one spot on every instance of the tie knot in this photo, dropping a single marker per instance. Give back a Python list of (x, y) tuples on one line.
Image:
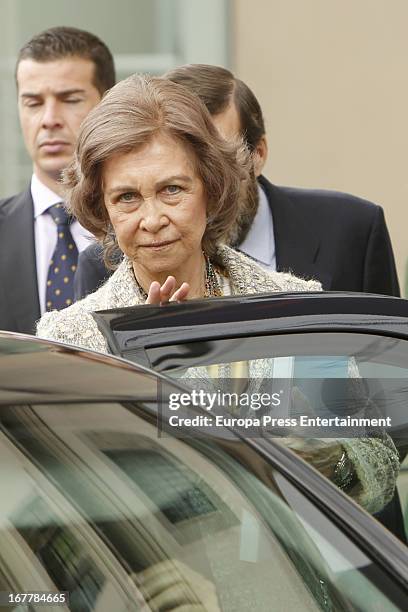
[(59, 214)]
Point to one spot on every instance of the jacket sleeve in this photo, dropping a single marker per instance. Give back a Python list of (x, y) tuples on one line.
[(74, 325), (380, 274)]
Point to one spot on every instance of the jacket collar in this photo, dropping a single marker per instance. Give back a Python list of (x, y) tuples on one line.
[(296, 244)]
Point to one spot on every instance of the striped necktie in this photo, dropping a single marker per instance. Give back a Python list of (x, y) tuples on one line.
[(60, 280)]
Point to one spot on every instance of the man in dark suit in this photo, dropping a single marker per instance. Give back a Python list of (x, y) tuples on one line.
[(61, 75), (337, 238)]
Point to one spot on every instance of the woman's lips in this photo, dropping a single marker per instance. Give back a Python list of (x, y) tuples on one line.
[(158, 245)]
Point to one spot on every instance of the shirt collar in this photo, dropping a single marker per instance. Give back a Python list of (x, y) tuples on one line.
[(259, 242), (43, 197)]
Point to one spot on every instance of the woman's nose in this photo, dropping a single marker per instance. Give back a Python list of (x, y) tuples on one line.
[(153, 217)]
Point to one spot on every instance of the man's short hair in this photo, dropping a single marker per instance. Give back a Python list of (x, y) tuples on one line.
[(62, 42), (217, 88)]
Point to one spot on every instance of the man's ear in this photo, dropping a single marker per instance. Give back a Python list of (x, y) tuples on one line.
[(260, 155)]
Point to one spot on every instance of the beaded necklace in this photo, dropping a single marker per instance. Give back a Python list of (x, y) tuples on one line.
[(212, 286)]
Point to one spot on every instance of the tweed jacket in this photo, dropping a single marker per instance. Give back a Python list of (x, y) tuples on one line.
[(75, 324), (375, 459)]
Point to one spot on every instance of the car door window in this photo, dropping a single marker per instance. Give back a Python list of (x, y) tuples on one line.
[(98, 505), (320, 368)]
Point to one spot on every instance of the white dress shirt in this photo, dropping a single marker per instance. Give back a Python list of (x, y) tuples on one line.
[(45, 234), (260, 241)]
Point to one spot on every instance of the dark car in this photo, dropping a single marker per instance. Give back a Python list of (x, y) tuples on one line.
[(102, 507)]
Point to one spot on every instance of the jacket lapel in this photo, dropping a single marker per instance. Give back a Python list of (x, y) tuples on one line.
[(18, 265), (296, 244)]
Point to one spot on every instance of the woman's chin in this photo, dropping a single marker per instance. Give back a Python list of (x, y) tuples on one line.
[(156, 268)]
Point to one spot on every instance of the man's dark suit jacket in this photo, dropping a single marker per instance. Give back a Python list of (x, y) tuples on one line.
[(19, 301), (336, 238)]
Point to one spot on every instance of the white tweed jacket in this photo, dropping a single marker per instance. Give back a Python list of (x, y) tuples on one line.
[(75, 324)]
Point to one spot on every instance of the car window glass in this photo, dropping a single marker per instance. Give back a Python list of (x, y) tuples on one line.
[(315, 364), (98, 505)]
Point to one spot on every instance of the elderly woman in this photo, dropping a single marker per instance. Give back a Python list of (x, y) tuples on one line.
[(152, 175)]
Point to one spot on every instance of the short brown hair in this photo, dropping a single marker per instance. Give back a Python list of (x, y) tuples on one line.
[(61, 42), (217, 87), (128, 117)]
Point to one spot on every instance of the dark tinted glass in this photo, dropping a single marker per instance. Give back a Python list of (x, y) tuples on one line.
[(98, 505)]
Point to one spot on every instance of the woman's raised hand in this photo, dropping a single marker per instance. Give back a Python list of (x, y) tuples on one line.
[(161, 294)]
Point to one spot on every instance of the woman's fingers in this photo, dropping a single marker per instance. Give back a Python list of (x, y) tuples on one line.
[(167, 289), (181, 293), (161, 294), (153, 297)]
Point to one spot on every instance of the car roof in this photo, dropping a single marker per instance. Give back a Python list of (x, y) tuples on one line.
[(33, 370)]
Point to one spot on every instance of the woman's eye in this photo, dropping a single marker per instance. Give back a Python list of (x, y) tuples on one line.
[(129, 196), (172, 189)]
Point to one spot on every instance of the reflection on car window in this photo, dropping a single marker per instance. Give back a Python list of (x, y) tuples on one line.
[(66, 561), (99, 506), (170, 488)]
